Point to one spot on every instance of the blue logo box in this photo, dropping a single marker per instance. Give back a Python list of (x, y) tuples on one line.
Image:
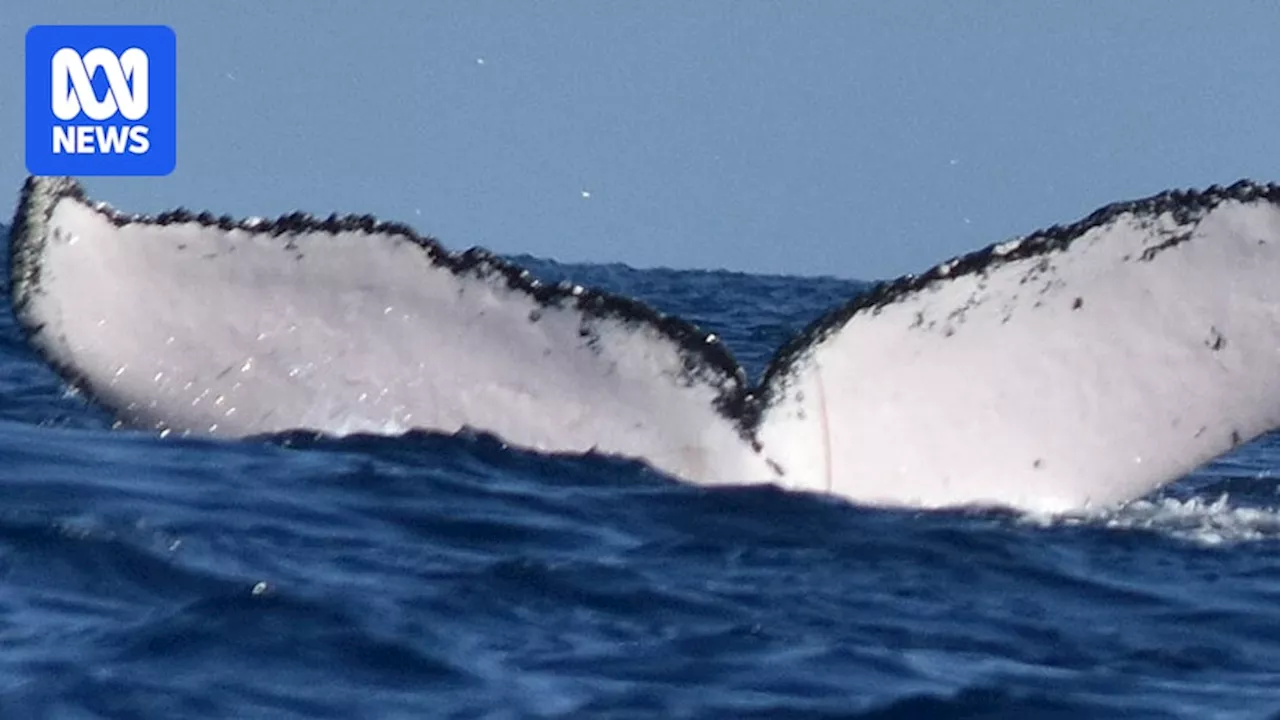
[(102, 100)]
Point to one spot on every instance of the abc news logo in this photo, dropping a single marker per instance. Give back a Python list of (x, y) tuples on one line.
[(73, 94), (101, 100)]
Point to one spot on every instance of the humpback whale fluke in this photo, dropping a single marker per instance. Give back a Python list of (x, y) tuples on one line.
[(1083, 364)]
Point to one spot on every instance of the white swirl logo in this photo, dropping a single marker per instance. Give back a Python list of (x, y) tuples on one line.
[(73, 84)]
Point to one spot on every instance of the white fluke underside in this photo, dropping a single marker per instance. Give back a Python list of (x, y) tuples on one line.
[(1080, 366), (1063, 379)]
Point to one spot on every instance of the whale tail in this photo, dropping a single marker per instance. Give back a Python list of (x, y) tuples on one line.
[(1083, 364)]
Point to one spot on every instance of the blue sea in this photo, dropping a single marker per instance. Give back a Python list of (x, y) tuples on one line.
[(426, 576)]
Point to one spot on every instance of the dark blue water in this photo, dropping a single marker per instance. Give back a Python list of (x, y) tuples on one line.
[(426, 576)]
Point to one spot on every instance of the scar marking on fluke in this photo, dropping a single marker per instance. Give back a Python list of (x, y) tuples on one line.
[(1216, 341)]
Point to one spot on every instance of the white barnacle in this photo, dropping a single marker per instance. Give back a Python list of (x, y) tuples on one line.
[(1005, 248)]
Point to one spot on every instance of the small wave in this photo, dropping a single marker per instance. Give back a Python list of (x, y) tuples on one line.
[(1203, 521)]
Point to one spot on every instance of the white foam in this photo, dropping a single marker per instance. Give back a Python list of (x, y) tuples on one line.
[(1206, 522)]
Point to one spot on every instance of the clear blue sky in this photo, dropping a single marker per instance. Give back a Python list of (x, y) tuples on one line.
[(848, 138)]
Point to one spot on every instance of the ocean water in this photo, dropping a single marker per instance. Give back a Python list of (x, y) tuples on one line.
[(426, 576)]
